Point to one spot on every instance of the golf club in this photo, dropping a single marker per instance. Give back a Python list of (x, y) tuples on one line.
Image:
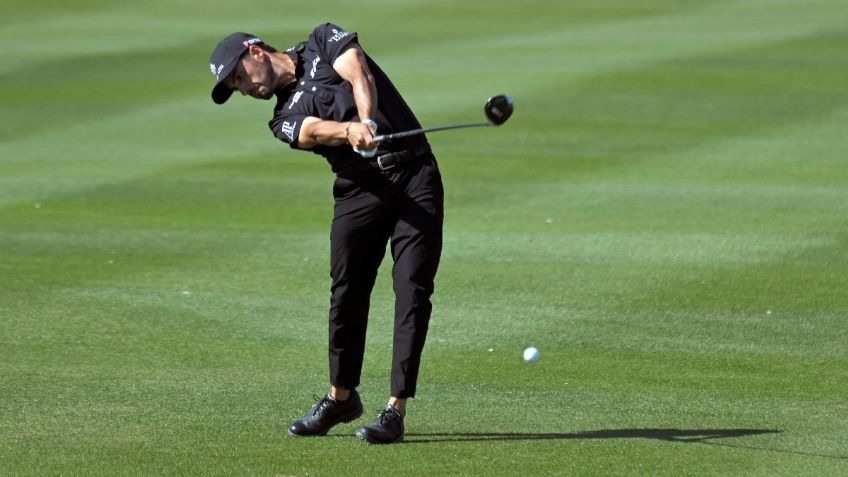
[(498, 109)]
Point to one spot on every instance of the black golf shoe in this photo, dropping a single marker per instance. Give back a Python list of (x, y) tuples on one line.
[(326, 414), (387, 429)]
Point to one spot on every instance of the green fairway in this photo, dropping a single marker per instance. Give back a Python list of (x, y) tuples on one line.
[(665, 217)]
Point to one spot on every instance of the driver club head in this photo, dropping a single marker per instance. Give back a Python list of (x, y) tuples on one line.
[(498, 109)]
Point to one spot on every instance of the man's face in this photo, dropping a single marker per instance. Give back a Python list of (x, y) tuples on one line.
[(253, 75)]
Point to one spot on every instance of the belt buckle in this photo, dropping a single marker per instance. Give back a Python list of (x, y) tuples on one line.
[(381, 165)]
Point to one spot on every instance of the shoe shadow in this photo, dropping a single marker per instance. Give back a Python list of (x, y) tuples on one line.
[(709, 437), (677, 435)]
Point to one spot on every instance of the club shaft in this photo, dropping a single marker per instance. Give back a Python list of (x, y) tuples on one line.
[(413, 132)]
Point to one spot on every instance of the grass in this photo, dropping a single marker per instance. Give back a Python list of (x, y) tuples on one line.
[(664, 217)]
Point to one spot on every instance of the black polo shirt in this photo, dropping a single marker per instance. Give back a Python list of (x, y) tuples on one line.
[(320, 92)]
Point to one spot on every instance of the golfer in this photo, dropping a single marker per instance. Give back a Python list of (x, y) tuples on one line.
[(332, 99)]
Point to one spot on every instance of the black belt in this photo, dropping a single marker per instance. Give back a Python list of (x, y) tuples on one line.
[(392, 159)]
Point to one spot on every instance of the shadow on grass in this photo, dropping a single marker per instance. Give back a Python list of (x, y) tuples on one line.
[(696, 436), (693, 435)]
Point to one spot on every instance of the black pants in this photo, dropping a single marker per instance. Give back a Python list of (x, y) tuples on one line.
[(406, 205)]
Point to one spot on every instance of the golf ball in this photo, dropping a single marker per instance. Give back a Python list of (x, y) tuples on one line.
[(531, 354)]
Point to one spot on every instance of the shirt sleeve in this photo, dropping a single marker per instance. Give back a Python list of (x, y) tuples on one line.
[(332, 40), (286, 127)]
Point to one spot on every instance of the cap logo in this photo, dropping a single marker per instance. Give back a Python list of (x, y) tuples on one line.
[(251, 41), (216, 71)]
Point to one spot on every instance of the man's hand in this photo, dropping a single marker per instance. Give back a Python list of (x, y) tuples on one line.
[(364, 143)]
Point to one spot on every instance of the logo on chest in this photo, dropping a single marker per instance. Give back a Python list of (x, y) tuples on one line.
[(295, 99), (314, 67)]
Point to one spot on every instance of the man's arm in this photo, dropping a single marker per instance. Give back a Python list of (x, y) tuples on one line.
[(353, 68), (315, 131)]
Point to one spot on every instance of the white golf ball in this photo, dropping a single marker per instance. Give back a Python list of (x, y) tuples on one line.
[(531, 354)]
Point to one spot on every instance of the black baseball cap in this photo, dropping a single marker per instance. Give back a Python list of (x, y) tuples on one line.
[(224, 60)]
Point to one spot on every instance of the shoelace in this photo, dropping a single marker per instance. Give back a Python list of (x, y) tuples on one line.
[(323, 404), (386, 416)]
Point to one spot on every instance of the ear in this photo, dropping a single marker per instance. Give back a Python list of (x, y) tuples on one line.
[(256, 53)]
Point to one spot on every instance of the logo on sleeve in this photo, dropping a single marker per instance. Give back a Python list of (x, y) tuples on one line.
[(337, 35), (288, 129)]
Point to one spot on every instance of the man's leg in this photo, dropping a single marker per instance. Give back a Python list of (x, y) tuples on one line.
[(416, 249), (358, 242)]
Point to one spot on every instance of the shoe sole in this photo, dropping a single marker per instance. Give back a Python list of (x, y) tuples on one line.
[(362, 435), (349, 418)]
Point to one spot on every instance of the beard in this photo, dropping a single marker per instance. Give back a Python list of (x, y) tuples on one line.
[(263, 86), (261, 91)]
